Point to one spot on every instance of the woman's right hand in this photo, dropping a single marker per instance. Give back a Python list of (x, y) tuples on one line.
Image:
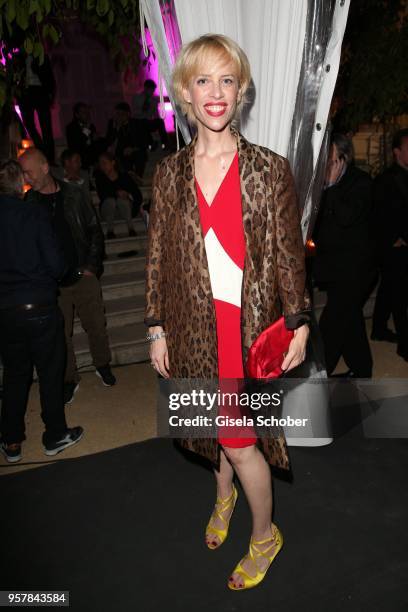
[(159, 356)]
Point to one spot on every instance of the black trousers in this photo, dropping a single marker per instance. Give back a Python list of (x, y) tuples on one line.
[(342, 325), (392, 295), (35, 99), (27, 338)]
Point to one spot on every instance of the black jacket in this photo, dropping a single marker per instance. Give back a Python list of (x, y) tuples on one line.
[(30, 259), (391, 207), (108, 189), (84, 224), (76, 139), (130, 135), (343, 230)]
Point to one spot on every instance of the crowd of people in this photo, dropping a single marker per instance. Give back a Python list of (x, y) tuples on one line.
[(128, 139), (114, 164), (52, 254)]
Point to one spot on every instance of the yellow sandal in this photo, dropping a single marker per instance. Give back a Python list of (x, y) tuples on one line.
[(221, 506), (254, 552)]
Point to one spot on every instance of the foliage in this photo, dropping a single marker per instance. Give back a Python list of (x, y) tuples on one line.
[(34, 26), (374, 68)]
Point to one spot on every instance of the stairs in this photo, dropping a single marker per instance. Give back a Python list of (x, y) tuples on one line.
[(123, 294), (123, 290)]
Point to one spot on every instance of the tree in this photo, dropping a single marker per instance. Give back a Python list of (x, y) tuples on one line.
[(32, 26), (373, 76)]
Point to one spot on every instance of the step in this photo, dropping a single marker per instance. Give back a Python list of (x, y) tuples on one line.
[(125, 243), (120, 226), (116, 286), (120, 312), (121, 265), (128, 345)]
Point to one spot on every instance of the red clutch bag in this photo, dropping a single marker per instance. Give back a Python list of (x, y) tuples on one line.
[(266, 354)]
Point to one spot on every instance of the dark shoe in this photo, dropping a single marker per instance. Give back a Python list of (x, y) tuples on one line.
[(402, 352), (12, 452), (384, 336), (72, 436), (132, 233), (105, 374), (110, 236), (348, 374), (70, 388)]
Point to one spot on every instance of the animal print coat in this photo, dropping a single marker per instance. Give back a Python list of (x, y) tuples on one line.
[(178, 287)]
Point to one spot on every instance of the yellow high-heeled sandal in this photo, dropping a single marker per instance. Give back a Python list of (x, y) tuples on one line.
[(221, 506), (254, 553)]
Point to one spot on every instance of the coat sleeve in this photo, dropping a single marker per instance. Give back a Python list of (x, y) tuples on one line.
[(155, 256), (290, 252)]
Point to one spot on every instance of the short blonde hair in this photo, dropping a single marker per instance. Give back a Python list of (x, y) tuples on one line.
[(195, 54)]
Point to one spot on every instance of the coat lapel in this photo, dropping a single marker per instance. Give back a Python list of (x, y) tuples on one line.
[(191, 231), (252, 202), (253, 199)]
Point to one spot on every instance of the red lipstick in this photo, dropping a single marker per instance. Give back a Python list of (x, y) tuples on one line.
[(209, 108)]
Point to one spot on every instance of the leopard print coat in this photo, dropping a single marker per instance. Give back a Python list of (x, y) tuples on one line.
[(178, 287)]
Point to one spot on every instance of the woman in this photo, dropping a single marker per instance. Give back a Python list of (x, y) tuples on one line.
[(217, 203), (344, 265), (116, 191)]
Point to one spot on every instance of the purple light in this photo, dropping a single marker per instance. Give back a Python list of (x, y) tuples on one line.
[(18, 111), (151, 71)]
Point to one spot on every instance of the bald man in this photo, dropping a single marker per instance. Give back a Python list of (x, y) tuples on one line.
[(81, 238)]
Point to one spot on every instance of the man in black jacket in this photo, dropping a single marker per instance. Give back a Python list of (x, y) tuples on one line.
[(391, 223), (344, 263), (81, 238), (31, 324)]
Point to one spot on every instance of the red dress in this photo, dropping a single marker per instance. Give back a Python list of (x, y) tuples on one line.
[(223, 231)]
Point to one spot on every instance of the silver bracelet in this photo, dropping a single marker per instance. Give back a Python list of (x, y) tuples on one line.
[(153, 337)]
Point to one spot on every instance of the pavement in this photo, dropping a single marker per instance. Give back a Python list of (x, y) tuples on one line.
[(113, 417)]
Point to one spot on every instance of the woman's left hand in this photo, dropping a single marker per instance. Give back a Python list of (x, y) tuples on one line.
[(297, 349)]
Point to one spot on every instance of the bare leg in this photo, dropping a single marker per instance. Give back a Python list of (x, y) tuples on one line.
[(224, 490), (255, 477)]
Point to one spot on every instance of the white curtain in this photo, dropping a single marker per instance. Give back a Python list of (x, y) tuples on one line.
[(151, 11), (272, 33)]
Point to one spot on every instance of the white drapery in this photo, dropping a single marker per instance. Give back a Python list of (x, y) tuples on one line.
[(151, 11), (271, 32)]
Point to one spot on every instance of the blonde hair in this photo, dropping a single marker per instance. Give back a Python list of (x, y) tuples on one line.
[(11, 178), (197, 53)]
